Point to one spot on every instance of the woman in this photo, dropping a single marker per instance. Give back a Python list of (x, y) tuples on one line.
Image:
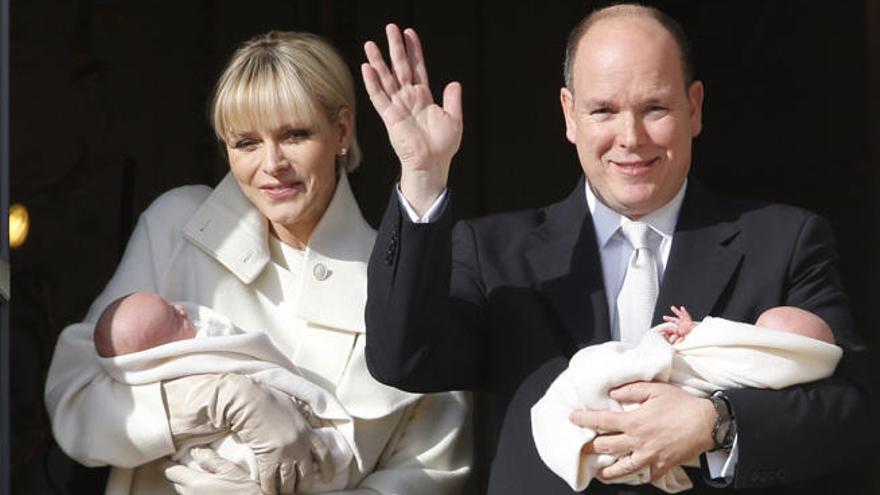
[(279, 246)]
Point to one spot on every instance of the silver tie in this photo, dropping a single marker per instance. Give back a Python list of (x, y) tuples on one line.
[(638, 294)]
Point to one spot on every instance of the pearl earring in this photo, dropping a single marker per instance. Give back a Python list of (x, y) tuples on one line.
[(343, 152)]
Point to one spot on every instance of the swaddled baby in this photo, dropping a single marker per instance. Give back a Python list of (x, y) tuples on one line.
[(132, 331)]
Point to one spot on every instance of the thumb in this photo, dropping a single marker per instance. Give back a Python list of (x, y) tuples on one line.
[(211, 462), (452, 100)]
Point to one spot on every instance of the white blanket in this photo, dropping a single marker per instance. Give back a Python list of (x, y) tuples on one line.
[(718, 354), (221, 348)]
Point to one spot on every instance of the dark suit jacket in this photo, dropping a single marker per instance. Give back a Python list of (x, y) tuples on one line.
[(499, 304)]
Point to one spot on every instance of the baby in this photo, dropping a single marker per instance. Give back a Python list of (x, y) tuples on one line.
[(138, 322), (782, 318), (784, 347), (143, 321)]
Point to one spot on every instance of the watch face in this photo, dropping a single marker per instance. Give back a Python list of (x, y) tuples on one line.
[(721, 432)]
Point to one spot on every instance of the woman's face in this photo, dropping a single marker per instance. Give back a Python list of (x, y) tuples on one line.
[(287, 169)]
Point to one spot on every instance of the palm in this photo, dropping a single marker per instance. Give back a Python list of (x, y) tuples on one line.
[(421, 132), (424, 135)]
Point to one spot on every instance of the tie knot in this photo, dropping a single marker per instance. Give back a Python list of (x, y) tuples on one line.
[(636, 233)]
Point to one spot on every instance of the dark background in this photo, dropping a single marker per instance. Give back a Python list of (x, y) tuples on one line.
[(109, 110)]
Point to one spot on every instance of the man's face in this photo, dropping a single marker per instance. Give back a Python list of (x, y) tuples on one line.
[(630, 116)]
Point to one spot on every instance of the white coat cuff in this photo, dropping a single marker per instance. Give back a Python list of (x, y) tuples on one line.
[(147, 424)]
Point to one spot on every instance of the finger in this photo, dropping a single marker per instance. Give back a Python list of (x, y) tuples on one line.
[(670, 319), (397, 54), (676, 310), (452, 100), (374, 57), (211, 462), (627, 464), (685, 313), (612, 444), (636, 392), (176, 473), (269, 476), (416, 57), (288, 477), (374, 88), (322, 460), (207, 459), (598, 421)]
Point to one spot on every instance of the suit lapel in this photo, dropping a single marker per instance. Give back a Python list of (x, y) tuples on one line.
[(565, 261), (702, 261)]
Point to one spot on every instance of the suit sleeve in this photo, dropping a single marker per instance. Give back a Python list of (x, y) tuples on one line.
[(813, 429), (424, 305)]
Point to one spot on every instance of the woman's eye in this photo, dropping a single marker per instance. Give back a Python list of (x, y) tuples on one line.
[(244, 144), (297, 134)]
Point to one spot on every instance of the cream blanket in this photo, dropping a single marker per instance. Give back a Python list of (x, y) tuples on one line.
[(219, 347), (718, 354)]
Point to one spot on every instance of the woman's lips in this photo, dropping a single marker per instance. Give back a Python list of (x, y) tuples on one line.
[(635, 168), (282, 191)]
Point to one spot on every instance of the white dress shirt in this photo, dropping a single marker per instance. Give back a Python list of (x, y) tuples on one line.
[(615, 250)]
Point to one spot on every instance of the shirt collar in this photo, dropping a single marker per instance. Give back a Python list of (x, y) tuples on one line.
[(607, 221)]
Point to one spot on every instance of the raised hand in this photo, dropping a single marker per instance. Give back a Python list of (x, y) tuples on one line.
[(424, 135), (683, 325)]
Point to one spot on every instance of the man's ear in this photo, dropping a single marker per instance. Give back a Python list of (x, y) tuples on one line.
[(695, 97), (567, 101)]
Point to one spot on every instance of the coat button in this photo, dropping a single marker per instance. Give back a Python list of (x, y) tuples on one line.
[(321, 272)]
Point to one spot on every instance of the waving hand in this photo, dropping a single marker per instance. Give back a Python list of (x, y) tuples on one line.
[(424, 135)]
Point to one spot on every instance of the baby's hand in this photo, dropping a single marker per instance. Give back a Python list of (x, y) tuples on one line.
[(683, 325)]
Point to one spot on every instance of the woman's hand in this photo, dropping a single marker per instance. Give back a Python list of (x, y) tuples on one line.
[(424, 135), (217, 475), (267, 421)]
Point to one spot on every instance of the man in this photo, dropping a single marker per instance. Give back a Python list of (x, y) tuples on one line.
[(499, 304)]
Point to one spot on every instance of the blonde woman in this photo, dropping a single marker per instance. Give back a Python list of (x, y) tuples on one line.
[(279, 246)]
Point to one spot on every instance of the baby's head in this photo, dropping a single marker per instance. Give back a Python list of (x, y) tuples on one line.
[(797, 321), (139, 321)]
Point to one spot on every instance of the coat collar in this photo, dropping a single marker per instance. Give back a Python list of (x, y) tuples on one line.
[(228, 228), (703, 258)]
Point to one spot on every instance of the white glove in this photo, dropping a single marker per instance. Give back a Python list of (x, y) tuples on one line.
[(219, 476), (265, 420)]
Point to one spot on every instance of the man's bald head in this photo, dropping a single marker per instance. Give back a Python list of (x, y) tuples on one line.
[(623, 11)]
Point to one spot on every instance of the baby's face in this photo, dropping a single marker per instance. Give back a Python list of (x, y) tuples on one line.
[(179, 325)]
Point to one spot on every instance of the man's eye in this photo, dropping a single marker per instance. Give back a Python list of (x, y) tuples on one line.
[(600, 111)]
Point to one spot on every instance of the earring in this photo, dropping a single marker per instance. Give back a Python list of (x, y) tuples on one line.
[(343, 152)]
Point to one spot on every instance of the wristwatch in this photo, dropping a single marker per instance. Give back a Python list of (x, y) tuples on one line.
[(724, 430)]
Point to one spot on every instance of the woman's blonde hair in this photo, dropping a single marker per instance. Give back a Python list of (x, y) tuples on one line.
[(281, 74)]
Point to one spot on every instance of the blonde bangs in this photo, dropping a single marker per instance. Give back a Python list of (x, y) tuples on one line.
[(262, 95), (284, 78)]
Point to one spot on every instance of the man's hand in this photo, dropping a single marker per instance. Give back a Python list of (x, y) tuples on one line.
[(267, 421), (424, 135), (670, 428)]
